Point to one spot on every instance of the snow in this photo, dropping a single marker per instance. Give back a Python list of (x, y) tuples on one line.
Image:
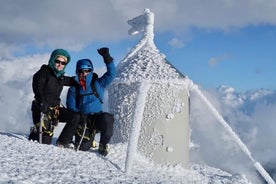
[(136, 126), (23, 161), (264, 173), (215, 158), (144, 64)]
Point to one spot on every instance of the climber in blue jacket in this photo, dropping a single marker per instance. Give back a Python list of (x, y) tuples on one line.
[(86, 98)]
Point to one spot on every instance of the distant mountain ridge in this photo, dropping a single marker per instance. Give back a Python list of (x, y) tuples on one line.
[(246, 100)]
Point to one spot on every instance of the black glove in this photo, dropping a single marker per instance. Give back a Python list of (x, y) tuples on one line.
[(44, 107), (104, 51)]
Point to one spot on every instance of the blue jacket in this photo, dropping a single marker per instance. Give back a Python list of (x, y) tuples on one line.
[(88, 104)]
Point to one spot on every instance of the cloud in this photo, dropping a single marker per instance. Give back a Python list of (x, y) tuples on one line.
[(16, 92), (176, 43), (67, 24), (215, 60), (258, 71), (251, 120), (73, 24)]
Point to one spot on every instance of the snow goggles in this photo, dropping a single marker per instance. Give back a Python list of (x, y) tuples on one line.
[(84, 70), (60, 62)]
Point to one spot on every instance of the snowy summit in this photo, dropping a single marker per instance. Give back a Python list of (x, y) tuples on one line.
[(23, 161)]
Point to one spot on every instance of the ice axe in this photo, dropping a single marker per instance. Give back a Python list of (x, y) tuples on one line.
[(40, 127)]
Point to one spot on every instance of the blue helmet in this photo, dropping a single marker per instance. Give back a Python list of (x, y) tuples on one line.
[(84, 64)]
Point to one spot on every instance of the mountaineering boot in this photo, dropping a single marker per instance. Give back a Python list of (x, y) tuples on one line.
[(94, 143), (103, 149), (34, 136)]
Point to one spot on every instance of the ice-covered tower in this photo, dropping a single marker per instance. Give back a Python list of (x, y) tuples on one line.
[(151, 92)]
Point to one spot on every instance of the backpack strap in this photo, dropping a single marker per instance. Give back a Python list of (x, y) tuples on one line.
[(95, 92), (92, 84)]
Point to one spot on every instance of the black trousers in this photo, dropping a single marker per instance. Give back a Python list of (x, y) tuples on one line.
[(102, 122), (65, 115)]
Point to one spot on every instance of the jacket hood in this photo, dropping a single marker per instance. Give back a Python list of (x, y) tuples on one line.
[(84, 64), (54, 55)]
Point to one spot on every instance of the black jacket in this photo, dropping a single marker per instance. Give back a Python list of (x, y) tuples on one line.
[(47, 87)]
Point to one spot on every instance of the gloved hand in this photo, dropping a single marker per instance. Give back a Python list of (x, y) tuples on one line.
[(104, 52), (44, 107)]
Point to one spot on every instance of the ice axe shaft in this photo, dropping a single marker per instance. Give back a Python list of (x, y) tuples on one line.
[(79, 144), (40, 127)]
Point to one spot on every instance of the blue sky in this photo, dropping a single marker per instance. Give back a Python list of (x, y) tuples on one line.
[(243, 58), (219, 42)]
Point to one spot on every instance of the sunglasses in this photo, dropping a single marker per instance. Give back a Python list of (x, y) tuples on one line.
[(60, 62), (84, 70)]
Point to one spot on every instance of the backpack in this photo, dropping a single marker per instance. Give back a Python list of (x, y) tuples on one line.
[(92, 84)]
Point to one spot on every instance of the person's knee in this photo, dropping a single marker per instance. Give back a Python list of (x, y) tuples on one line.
[(75, 120), (77, 116), (108, 118)]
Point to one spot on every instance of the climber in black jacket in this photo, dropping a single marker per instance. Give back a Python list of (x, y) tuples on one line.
[(47, 85)]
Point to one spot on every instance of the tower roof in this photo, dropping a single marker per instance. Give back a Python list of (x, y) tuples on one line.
[(144, 61)]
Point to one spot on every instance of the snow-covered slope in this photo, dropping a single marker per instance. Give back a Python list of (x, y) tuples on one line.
[(28, 162)]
